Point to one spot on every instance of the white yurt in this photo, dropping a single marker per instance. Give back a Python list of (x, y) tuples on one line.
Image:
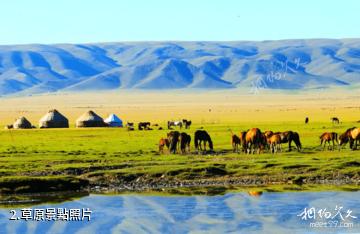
[(113, 121)]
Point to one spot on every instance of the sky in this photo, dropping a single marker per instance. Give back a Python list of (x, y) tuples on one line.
[(85, 21)]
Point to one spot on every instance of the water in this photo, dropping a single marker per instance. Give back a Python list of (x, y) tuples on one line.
[(231, 212)]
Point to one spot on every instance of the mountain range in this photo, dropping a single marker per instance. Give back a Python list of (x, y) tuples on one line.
[(283, 64)]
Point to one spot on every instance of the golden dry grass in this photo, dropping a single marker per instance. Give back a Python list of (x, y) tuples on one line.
[(232, 106)]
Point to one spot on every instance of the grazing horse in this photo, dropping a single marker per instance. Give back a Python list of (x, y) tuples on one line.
[(201, 136), (274, 142), (242, 137), (254, 139), (173, 138), (162, 143), (327, 137), (235, 142), (268, 134), (174, 123), (187, 123), (130, 126), (144, 126), (290, 136), (306, 120), (335, 120), (185, 140), (351, 135)]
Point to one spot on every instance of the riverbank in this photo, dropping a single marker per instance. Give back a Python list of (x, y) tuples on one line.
[(105, 159)]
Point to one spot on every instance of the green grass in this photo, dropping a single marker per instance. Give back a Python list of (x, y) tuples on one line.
[(106, 156)]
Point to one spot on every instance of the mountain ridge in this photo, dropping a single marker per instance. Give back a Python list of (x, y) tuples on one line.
[(283, 64)]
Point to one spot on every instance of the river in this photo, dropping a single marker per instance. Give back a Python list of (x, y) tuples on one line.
[(285, 212)]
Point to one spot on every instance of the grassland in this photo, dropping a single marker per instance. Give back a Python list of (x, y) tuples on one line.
[(104, 159)]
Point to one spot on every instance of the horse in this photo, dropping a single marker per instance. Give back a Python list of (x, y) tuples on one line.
[(10, 126), (268, 134), (343, 139), (185, 140), (274, 142), (290, 136), (235, 142), (306, 120), (253, 140), (335, 120), (144, 126), (201, 136), (162, 143), (174, 123), (242, 137), (350, 135), (173, 138), (130, 126), (187, 123), (327, 137)]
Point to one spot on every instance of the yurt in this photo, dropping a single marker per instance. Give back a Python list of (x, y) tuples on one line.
[(113, 121), (53, 119), (22, 123), (90, 119)]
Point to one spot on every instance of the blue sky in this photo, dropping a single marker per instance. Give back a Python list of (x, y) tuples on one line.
[(82, 21)]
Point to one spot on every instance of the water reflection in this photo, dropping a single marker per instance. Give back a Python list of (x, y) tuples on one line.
[(245, 212)]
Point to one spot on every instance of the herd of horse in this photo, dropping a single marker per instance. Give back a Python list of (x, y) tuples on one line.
[(170, 124), (180, 142), (351, 136), (254, 140)]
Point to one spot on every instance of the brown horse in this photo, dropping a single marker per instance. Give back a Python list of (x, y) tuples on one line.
[(235, 142), (162, 143), (351, 135), (290, 136), (274, 142), (185, 140), (173, 138), (268, 134), (327, 137), (242, 137), (144, 126), (201, 136), (187, 123), (253, 140)]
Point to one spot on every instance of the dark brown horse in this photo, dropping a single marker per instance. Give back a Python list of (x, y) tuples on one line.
[(144, 126), (162, 143), (201, 136), (173, 138), (130, 126), (185, 140), (290, 136), (187, 123), (335, 120), (328, 137), (235, 142), (242, 137), (254, 140)]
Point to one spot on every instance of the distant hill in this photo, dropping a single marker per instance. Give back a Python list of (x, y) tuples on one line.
[(285, 64)]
